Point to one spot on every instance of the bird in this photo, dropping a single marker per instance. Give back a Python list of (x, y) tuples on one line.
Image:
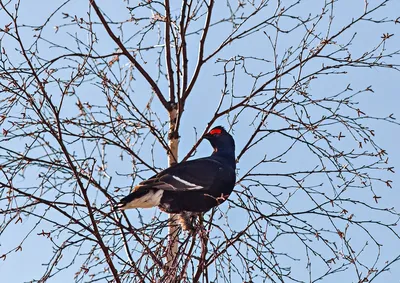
[(190, 188)]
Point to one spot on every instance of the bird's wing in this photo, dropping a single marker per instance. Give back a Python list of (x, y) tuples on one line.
[(198, 174)]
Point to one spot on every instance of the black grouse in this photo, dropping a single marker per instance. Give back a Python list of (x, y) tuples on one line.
[(191, 187)]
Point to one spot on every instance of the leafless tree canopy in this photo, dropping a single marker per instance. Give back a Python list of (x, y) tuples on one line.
[(94, 95)]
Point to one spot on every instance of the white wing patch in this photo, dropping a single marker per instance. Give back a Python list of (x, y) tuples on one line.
[(190, 185)]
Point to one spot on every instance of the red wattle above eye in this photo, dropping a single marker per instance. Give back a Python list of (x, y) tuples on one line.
[(215, 131)]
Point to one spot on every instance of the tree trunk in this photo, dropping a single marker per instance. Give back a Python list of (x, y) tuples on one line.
[(173, 227)]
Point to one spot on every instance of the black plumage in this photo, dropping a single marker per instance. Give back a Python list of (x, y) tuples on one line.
[(191, 187)]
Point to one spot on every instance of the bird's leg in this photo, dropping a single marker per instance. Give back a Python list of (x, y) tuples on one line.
[(188, 223), (186, 220)]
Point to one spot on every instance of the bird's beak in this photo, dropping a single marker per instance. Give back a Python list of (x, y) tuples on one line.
[(207, 136)]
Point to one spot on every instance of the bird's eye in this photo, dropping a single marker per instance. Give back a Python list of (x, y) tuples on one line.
[(215, 132)]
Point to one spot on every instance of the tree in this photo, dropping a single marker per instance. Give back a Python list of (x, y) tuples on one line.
[(95, 95)]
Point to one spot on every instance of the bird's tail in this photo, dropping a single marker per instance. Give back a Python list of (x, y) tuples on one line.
[(143, 198), (121, 205)]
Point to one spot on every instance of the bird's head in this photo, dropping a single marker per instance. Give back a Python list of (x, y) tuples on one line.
[(221, 141)]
